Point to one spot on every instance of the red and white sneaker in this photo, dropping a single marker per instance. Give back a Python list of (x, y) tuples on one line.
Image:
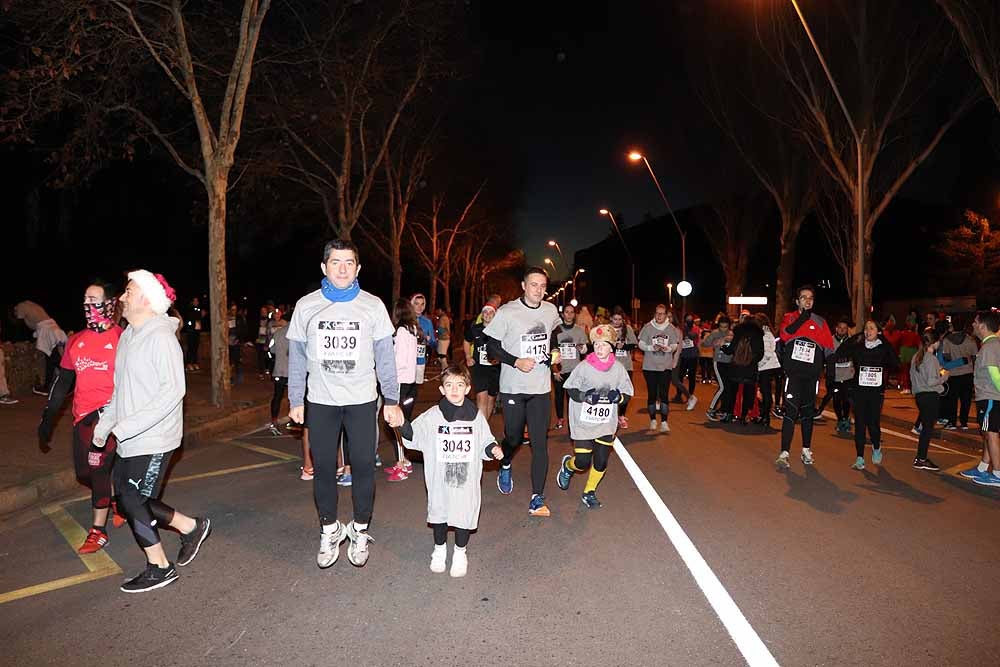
[(397, 475), (117, 518), (96, 540)]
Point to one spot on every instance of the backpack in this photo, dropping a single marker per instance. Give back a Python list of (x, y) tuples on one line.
[(743, 355)]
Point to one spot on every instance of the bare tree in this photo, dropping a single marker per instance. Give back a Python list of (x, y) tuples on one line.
[(435, 240), (745, 99), (404, 170), (978, 25), (363, 65), (138, 60), (889, 57), (733, 229)]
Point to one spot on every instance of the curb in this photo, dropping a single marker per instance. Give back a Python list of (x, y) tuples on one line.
[(57, 484)]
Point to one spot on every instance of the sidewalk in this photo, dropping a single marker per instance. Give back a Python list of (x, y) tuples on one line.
[(28, 476)]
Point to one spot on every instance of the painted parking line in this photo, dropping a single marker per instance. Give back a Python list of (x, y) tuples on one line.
[(99, 565), (266, 451), (749, 643)]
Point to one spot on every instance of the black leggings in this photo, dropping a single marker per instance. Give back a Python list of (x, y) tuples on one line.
[(93, 464), (800, 405), (533, 410), (728, 402), (929, 404), (685, 369), (657, 389), (959, 397), (559, 395), (768, 380), (867, 418), (138, 482), (592, 452), (441, 535), (325, 423), (408, 391), (192, 339), (280, 385), (836, 392), (675, 380)]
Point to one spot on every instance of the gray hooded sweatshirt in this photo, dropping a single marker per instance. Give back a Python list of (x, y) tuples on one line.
[(146, 410)]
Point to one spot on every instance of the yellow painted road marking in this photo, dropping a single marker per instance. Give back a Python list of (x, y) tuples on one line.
[(266, 451), (75, 535), (956, 468), (229, 471), (100, 564), (56, 584)]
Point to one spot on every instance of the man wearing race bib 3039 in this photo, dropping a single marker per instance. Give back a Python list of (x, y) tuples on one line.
[(807, 341), (519, 337), (341, 336)]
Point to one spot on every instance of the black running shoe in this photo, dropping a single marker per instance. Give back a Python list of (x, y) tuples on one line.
[(590, 500), (925, 464), (191, 543), (151, 578)]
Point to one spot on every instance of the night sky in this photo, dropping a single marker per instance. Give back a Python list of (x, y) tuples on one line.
[(566, 89)]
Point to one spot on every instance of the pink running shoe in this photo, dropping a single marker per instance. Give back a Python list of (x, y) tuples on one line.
[(397, 475)]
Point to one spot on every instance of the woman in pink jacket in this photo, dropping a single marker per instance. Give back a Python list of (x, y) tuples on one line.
[(404, 318)]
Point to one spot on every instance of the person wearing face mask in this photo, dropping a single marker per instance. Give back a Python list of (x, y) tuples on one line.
[(873, 359), (571, 341), (839, 371), (87, 370), (716, 341)]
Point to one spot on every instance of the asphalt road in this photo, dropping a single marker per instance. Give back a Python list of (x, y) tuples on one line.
[(830, 566)]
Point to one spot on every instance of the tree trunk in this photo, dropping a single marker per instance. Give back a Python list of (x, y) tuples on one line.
[(397, 272), (862, 310), (784, 290), (217, 184), (463, 300), (432, 294)]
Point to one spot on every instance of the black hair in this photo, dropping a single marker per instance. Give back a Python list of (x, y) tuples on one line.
[(990, 318), (724, 319), (340, 244), (110, 289), (803, 288), (535, 269)]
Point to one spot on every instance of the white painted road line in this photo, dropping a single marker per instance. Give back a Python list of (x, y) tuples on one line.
[(754, 651), (904, 436)]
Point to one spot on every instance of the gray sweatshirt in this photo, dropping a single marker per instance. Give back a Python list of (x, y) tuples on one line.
[(927, 377), (146, 411)]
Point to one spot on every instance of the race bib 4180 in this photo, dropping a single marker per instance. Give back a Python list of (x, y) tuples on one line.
[(595, 414)]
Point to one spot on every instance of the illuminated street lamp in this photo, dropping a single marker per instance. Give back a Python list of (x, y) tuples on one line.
[(670, 294), (575, 274), (555, 244), (631, 260), (636, 156)]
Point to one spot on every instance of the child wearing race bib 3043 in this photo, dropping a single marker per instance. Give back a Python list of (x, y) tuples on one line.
[(455, 439), (599, 390)]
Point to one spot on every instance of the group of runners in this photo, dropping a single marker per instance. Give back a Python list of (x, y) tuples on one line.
[(346, 363)]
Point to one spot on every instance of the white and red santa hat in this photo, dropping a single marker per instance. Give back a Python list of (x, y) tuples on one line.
[(155, 287)]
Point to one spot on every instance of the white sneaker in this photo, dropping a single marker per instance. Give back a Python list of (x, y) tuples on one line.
[(652, 424), (459, 562), (782, 460), (807, 456), (329, 547), (438, 558), (357, 551), (693, 401), (664, 427), (305, 476)]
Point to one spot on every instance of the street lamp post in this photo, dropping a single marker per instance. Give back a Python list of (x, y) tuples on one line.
[(635, 156), (628, 252), (670, 295), (555, 244), (859, 193), (575, 274)]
